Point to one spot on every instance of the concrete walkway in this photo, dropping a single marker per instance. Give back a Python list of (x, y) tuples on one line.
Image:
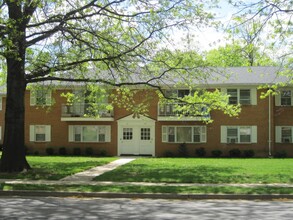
[(88, 175)]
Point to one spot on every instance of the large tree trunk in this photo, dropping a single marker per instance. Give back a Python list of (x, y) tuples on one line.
[(13, 155)]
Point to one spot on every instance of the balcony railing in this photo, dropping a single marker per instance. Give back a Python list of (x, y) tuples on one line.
[(84, 109), (172, 110)]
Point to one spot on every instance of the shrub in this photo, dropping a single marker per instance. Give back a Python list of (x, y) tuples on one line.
[(102, 153), (76, 151), (182, 150), (280, 154), (1, 147), (200, 152), (216, 153), (89, 151), (248, 153), (50, 151), (62, 151), (235, 152), (168, 153), (36, 153)]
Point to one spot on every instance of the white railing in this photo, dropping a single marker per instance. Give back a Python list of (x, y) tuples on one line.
[(84, 109)]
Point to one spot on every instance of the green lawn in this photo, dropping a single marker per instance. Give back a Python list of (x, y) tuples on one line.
[(56, 167), (196, 170)]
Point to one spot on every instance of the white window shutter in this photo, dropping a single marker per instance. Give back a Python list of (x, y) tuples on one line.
[(253, 134), (278, 100), (32, 98), (70, 133), (0, 133), (278, 134), (203, 134), (49, 98), (1, 97), (32, 133), (253, 94), (108, 133), (223, 134), (164, 134), (48, 133)]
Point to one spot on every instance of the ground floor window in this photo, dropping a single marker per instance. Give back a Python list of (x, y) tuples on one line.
[(284, 134), (238, 134), (89, 133), (184, 134), (40, 133)]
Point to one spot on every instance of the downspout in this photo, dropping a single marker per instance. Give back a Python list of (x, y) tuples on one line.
[(270, 133)]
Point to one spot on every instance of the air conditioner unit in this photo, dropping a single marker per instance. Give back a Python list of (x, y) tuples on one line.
[(232, 140), (286, 140)]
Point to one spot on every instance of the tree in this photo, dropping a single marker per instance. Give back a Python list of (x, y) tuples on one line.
[(92, 41), (270, 22), (236, 54)]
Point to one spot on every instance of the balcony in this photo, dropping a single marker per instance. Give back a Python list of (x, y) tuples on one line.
[(170, 112), (79, 112)]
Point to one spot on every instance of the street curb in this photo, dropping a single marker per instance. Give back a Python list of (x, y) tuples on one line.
[(27, 193)]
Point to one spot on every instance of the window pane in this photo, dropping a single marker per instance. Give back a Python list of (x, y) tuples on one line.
[(245, 96), (182, 93), (40, 137), (89, 134), (171, 134), (40, 97), (196, 134), (232, 96), (245, 134), (232, 135), (286, 97), (286, 134), (183, 134), (145, 133), (127, 134)]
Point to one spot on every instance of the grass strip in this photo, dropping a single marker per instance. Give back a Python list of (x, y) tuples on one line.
[(153, 189)]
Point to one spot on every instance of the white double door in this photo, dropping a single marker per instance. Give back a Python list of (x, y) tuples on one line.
[(136, 136)]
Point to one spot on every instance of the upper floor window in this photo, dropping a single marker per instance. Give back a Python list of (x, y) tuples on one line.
[(40, 97), (89, 133), (178, 93), (286, 97), (238, 134), (184, 134), (40, 133), (1, 97), (284, 134), (242, 96)]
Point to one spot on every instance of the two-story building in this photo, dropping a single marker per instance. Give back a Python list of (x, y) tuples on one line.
[(264, 125)]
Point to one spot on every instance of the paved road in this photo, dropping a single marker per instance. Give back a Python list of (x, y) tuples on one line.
[(75, 208)]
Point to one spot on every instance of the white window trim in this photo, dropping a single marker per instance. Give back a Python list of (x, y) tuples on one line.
[(33, 98), (203, 134), (278, 132), (47, 133), (107, 133), (278, 97), (224, 137), (253, 95)]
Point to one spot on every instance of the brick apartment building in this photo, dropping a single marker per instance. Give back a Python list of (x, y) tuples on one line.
[(264, 125)]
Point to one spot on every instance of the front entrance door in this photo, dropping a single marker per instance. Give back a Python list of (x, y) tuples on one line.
[(136, 136)]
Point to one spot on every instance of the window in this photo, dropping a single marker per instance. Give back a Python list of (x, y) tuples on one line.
[(242, 96), (89, 133), (286, 97), (284, 134), (127, 133), (184, 134), (40, 133), (238, 134), (145, 134), (40, 97)]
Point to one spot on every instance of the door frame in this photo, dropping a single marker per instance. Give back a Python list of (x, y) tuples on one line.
[(135, 123)]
